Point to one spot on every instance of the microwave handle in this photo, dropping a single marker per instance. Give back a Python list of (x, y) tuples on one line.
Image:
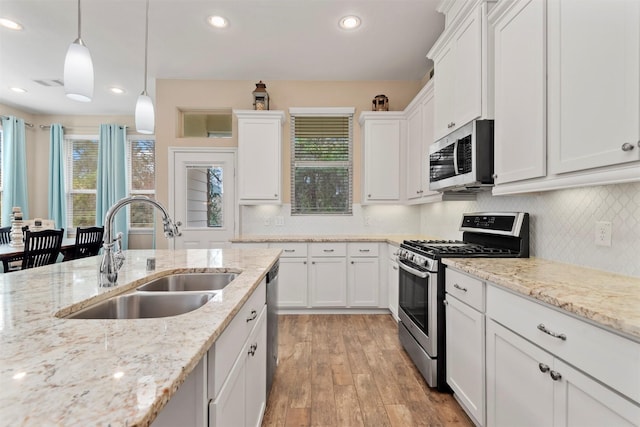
[(455, 157)]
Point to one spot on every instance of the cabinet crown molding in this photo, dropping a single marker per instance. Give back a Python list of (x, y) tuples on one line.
[(262, 114)]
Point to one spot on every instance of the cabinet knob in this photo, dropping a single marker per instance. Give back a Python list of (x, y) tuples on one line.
[(304, 262), (275, 195), (627, 147), (494, 176), (395, 267), (353, 262), (555, 375), (543, 368), (369, 195)]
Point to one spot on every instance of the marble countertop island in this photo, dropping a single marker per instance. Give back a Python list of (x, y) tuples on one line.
[(394, 239), (81, 372), (607, 299)]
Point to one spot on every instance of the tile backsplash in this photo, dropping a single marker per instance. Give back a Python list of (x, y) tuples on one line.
[(562, 223)]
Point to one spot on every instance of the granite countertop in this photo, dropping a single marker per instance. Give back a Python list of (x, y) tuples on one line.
[(84, 372), (608, 299), (394, 239)]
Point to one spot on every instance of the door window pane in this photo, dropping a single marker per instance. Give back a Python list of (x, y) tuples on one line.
[(205, 197)]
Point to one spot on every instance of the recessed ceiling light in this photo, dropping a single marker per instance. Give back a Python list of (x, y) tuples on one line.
[(217, 21), (18, 89), (116, 90), (350, 22), (12, 25)]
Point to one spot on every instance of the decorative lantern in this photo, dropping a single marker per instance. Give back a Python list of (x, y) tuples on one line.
[(260, 97), (380, 103)]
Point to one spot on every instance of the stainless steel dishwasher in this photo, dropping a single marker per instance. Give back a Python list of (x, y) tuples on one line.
[(272, 324)]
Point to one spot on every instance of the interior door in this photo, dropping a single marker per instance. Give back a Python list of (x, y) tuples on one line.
[(203, 197)]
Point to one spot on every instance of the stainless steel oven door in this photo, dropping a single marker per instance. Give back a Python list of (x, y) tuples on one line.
[(418, 305)]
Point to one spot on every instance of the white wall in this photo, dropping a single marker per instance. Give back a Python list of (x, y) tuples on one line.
[(562, 224)]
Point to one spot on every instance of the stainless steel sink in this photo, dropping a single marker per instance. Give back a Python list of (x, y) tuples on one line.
[(189, 282), (139, 305)]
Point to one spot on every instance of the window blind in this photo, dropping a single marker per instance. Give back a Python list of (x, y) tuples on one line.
[(82, 169), (321, 164)]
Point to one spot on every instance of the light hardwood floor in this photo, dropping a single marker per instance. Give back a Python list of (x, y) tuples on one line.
[(351, 370)]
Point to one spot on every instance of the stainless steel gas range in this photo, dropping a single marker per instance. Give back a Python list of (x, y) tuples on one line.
[(421, 281)]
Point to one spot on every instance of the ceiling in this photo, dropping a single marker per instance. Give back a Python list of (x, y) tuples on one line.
[(265, 40)]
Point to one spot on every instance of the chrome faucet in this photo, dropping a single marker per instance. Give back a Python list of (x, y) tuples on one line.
[(113, 257)]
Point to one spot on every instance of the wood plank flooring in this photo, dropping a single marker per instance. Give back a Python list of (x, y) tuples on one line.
[(351, 370)]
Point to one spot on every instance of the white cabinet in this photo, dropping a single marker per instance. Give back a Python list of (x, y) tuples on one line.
[(465, 332), (594, 106), (328, 274), (259, 156), (463, 83), (382, 147), (242, 398), (547, 368), (393, 281), (292, 277), (520, 90), (529, 386), (419, 138), (363, 275)]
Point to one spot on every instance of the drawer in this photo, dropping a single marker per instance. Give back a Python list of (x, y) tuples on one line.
[(363, 249), (336, 249), (291, 250), (228, 345), (606, 356), (467, 289)]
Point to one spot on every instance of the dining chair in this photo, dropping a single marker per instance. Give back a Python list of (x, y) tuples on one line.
[(88, 243), (40, 248), (5, 235)]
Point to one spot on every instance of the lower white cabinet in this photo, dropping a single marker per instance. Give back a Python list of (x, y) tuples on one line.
[(364, 275), (547, 368), (328, 281), (242, 398), (393, 287), (293, 283), (529, 386), (465, 336)]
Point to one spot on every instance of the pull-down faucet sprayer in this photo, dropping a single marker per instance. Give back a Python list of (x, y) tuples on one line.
[(113, 258)]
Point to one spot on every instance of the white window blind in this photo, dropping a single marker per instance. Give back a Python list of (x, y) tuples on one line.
[(321, 163), (81, 169), (142, 163)]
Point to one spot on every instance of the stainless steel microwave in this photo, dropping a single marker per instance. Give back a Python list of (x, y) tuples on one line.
[(463, 160)]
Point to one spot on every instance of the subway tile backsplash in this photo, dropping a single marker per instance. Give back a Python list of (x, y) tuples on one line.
[(562, 223)]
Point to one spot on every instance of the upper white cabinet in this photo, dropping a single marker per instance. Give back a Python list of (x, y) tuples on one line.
[(520, 90), (594, 106), (382, 146), (463, 83), (259, 156)]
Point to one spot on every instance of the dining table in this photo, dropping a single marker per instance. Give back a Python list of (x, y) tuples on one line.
[(8, 251)]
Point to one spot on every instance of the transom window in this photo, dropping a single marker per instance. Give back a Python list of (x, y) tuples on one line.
[(321, 161)]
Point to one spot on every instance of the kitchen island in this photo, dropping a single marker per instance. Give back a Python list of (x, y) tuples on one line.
[(57, 371)]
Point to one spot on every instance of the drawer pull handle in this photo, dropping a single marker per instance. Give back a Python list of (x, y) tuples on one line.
[(252, 349), (544, 329), (328, 250), (543, 368), (460, 287), (253, 316), (289, 250), (365, 250), (556, 376)]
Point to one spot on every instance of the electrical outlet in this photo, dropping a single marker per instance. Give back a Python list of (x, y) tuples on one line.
[(266, 221), (279, 220), (603, 233)]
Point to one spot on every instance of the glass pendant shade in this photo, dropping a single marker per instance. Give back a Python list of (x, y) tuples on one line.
[(78, 72), (145, 116)]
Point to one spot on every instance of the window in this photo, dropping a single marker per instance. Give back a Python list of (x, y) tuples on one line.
[(82, 169), (1, 180), (142, 164), (321, 161)]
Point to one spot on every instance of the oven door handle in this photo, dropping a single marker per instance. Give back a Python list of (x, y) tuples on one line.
[(420, 274)]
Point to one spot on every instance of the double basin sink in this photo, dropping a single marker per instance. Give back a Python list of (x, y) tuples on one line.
[(162, 297)]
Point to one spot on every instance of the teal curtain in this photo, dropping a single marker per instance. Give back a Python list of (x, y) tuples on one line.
[(57, 194), (112, 177), (14, 165)]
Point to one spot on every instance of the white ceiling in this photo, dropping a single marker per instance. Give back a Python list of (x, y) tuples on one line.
[(265, 40)]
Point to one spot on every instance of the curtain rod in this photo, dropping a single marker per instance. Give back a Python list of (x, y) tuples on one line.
[(25, 123), (49, 127)]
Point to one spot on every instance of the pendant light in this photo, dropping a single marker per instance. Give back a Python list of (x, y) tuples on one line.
[(145, 116), (78, 69)]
